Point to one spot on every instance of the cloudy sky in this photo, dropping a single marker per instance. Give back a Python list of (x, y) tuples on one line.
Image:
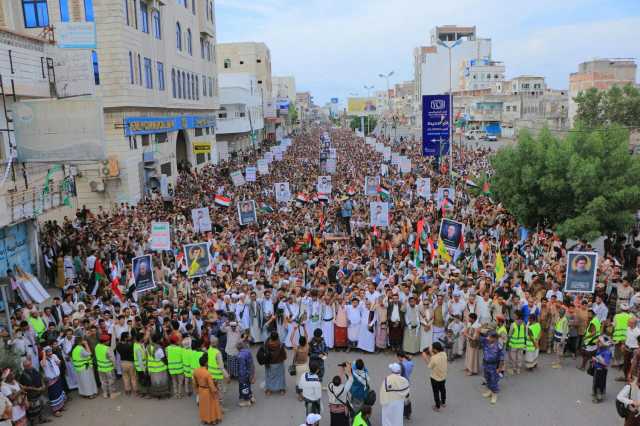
[(335, 47)]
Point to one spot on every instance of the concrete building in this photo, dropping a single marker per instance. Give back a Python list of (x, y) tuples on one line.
[(303, 105), (240, 120), (483, 74), (284, 88), (601, 74), (154, 86)]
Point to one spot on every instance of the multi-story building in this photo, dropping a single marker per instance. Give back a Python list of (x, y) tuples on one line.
[(240, 120), (284, 88), (303, 105), (483, 74), (601, 74), (154, 90)]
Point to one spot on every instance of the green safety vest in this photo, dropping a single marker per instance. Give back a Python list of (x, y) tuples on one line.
[(535, 329), (502, 331), (38, 325), (517, 340), (138, 347), (104, 363), (154, 365), (195, 359), (214, 369), (187, 370), (620, 324), (559, 327), (359, 421), (80, 363), (590, 337), (174, 359)]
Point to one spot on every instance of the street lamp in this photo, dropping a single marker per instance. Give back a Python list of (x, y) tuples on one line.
[(449, 47), (386, 77), (368, 89)]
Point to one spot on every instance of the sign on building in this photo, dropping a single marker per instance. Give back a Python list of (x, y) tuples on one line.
[(435, 125), (76, 35)]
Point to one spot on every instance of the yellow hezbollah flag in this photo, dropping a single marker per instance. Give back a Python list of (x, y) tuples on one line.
[(193, 269), (442, 251), (499, 266)]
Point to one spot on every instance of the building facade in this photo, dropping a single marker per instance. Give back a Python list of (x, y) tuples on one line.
[(601, 74)]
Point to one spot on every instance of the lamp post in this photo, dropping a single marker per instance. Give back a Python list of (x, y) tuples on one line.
[(386, 77), (449, 47), (368, 89)]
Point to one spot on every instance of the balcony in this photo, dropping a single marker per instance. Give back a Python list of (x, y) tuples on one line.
[(232, 125)]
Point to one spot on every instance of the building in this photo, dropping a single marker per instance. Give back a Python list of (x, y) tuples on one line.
[(601, 74), (240, 120), (284, 88), (303, 105), (483, 74), (153, 89)]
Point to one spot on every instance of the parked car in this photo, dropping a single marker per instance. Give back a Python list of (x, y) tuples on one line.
[(491, 137), (475, 134)]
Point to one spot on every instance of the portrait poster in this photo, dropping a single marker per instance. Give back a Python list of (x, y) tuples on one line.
[(324, 185), (143, 273), (445, 198), (423, 188), (250, 173), (451, 233), (263, 167), (197, 259), (237, 178), (581, 273), (371, 184), (201, 220), (379, 213), (283, 193), (247, 212)]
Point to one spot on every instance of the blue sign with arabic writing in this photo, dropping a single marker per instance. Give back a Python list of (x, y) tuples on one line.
[(435, 125), (151, 125)]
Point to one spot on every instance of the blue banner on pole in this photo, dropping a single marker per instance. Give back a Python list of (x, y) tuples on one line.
[(435, 125)]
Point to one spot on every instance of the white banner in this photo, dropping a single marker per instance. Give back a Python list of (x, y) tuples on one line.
[(160, 236)]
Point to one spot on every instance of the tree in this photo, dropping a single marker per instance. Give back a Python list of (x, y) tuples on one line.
[(584, 186), (618, 105), (369, 123), (293, 113)]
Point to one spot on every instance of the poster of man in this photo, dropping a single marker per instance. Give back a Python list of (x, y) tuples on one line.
[(446, 197), (379, 213), (143, 273), (324, 185), (201, 220), (423, 188), (197, 259), (581, 272), (371, 184), (283, 194), (247, 212), (451, 233)]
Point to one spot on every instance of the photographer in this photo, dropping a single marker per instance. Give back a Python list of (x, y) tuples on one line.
[(436, 361), (338, 389)]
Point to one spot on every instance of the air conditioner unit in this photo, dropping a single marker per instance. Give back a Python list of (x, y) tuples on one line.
[(96, 186)]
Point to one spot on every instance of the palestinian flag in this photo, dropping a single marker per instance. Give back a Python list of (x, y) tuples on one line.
[(384, 193), (99, 271), (486, 188), (417, 249), (265, 208), (302, 197), (221, 200), (308, 241), (431, 249)]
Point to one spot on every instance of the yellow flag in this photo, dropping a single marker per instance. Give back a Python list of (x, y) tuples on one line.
[(442, 251), (499, 266), (193, 269)]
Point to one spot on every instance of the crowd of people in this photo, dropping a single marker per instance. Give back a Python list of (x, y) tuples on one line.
[(312, 276)]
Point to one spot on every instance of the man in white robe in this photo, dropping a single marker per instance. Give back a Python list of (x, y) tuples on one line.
[(354, 318), (327, 314), (393, 393)]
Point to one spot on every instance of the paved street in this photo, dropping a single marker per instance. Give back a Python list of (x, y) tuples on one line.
[(547, 397)]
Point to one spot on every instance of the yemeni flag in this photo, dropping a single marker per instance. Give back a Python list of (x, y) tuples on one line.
[(115, 288), (351, 191), (322, 196), (301, 197), (384, 193), (221, 200), (486, 188)]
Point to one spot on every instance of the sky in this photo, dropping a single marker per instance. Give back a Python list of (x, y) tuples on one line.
[(335, 47)]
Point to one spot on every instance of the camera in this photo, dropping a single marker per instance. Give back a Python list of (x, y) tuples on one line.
[(343, 365)]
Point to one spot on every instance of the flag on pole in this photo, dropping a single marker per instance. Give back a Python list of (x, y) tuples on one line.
[(302, 197), (384, 193), (351, 191), (221, 200), (486, 188), (499, 266), (470, 183), (99, 270), (115, 288), (442, 251), (459, 249), (418, 255), (431, 249)]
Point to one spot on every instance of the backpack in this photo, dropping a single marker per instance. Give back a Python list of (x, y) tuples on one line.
[(370, 396), (262, 356), (623, 411)]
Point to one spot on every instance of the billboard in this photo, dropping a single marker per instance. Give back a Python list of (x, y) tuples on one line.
[(334, 100), (76, 35), (435, 125), (361, 106), (59, 130)]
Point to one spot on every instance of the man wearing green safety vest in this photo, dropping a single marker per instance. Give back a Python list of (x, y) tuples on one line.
[(532, 347), (140, 363), (517, 338), (590, 338), (106, 361), (620, 324), (362, 418), (83, 366), (194, 362), (216, 366), (158, 377), (174, 365), (560, 335), (37, 323), (187, 368)]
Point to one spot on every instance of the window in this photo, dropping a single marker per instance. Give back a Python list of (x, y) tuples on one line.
[(204, 85), (133, 143), (189, 49), (193, 6), (197, 92), (173, 82), (148, 74), (88, 10), (200, 158), (241, 62), (139, 70), (184, 86), (178, 36), (126, 11), (135, 13), (259, 61), (193, 87), (157, 28), (197, 131), (36, 13), (259, 81), (210, 87), (131, 74), (160, 75), (202, 47), (64, 10), (208, 51), (179, 86), (514, 108), (165, 168), (146, 140), (144, 17), (211, 11), (96, 67), (161, 138), (227, 63)]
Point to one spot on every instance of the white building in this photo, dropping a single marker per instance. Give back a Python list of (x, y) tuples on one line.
[(240, 120)]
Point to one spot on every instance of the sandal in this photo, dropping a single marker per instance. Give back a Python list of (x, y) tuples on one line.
[(57, 414)]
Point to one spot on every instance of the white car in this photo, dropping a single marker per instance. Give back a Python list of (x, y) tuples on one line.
[(492, 138)]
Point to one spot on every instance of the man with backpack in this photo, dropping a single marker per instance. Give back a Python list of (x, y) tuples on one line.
[(360, 390), (311, 390), (338, 390)]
